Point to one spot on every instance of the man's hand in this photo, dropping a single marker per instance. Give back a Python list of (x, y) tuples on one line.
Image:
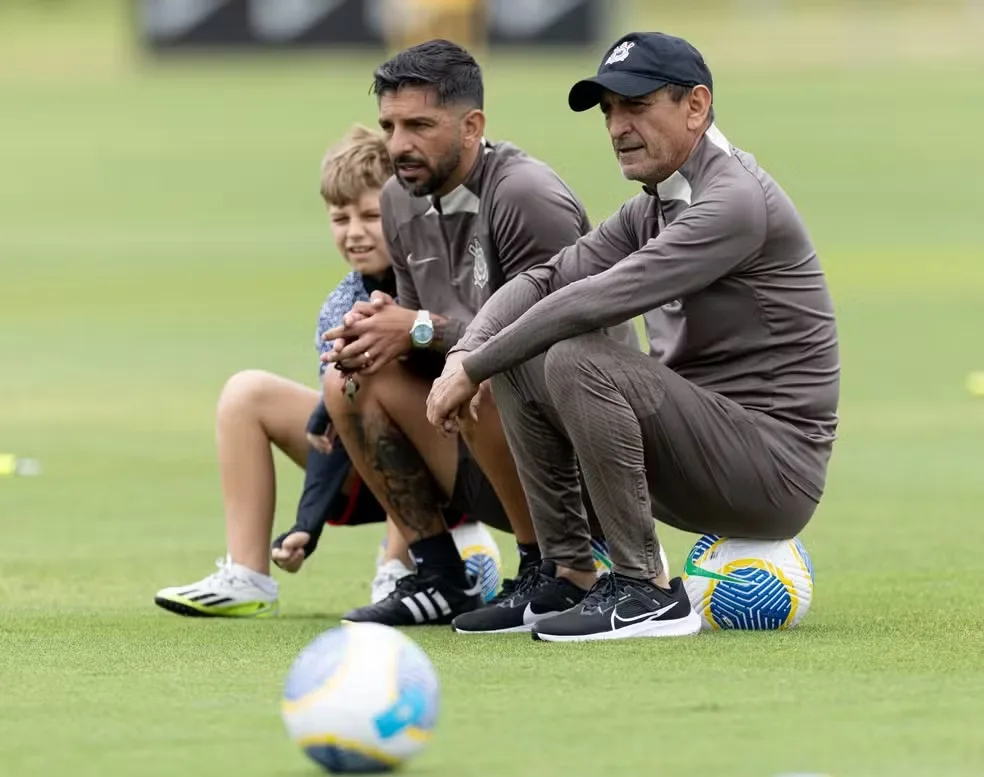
[(290, 555), (371, 336), (359, 312), (451, 396)]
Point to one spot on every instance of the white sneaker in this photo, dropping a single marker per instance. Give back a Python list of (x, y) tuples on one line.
[(387, 575), (234, 591)]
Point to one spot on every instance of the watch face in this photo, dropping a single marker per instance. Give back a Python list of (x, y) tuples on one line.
[(421, 333)]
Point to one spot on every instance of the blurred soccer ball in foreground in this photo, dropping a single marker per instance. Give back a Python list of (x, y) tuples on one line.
[(749, 584), (361, 698)]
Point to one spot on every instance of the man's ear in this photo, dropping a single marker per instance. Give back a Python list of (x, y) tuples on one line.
[(472, 128), (698, 107)]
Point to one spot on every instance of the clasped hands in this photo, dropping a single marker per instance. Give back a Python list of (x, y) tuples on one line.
[(371, 335), (375, 333)]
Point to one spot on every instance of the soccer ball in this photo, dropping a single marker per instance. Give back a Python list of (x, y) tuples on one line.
[(478, 550), (361, 698), (755, 585)]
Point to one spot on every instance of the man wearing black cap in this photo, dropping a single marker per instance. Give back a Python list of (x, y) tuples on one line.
[(725, 427)]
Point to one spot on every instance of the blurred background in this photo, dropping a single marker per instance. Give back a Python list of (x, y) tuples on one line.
[(160, 229), (160, 226), (159, 218)]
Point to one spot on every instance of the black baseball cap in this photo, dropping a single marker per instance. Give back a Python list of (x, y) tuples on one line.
[(640, 63)]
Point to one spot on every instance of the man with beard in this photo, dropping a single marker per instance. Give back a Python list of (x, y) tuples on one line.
[(461, 216)]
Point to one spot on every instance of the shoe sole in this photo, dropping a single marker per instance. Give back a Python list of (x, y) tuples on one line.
[(679, 627), (179, 608), (526, 628), (346, 622), (511, 630)]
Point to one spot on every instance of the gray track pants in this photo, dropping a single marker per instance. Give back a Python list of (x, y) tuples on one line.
[(649, 444)]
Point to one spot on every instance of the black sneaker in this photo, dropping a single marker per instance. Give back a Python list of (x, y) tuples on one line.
[(618, 607), (510, 584), (539, 594), (420, 599)]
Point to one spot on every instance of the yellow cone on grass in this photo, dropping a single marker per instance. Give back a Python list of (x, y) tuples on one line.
[(975, 383)]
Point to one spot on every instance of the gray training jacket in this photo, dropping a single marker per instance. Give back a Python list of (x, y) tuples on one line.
[(733, 295)]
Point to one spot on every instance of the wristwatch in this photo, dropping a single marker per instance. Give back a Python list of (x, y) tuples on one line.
[(422, 331)]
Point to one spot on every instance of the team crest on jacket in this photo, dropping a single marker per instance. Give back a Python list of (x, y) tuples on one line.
[(480, 266)]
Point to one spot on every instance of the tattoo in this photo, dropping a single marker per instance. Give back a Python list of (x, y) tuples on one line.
[(407, 483)]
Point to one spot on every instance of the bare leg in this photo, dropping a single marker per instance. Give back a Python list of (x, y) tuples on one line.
[(396, 546), (409, 467), (257, 409)]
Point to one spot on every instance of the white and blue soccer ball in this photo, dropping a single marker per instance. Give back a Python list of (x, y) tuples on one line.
[(361, 698), (758, 585), (478, 550)]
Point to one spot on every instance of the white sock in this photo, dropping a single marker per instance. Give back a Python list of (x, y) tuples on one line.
[(264, 582)]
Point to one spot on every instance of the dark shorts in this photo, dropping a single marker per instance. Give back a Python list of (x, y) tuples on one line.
[(473, 494), (473, 498), (358, 506)]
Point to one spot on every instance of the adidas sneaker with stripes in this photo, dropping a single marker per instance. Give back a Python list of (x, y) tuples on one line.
[(234, 591), (420, 599), (427, 605)]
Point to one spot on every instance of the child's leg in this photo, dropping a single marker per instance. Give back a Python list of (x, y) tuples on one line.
[(393, 563), (256, 410), (397, 548)]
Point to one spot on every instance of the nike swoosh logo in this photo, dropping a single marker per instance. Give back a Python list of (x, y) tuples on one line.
[(530, 617), (691, 569), (422, 261), (616, 618)]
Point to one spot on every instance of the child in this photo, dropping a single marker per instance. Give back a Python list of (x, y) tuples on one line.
[(258, 409)]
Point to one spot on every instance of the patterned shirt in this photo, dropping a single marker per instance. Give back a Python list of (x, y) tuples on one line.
[(352, 289)]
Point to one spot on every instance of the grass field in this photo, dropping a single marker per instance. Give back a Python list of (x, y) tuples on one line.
[(160, 229)]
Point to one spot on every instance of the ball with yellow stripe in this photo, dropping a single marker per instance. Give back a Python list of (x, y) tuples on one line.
[(755, 585), (361, 698)]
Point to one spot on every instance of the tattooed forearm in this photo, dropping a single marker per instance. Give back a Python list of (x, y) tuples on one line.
[(407, 483)]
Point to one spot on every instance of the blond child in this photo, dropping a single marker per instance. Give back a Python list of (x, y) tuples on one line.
[(258, 410)]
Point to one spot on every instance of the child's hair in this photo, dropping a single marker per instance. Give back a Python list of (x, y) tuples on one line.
[(359, 163)]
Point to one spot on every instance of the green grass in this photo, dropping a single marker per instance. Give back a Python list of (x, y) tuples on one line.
[(160, 229)]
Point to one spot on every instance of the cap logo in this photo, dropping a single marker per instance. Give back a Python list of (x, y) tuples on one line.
[(619, 53)]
